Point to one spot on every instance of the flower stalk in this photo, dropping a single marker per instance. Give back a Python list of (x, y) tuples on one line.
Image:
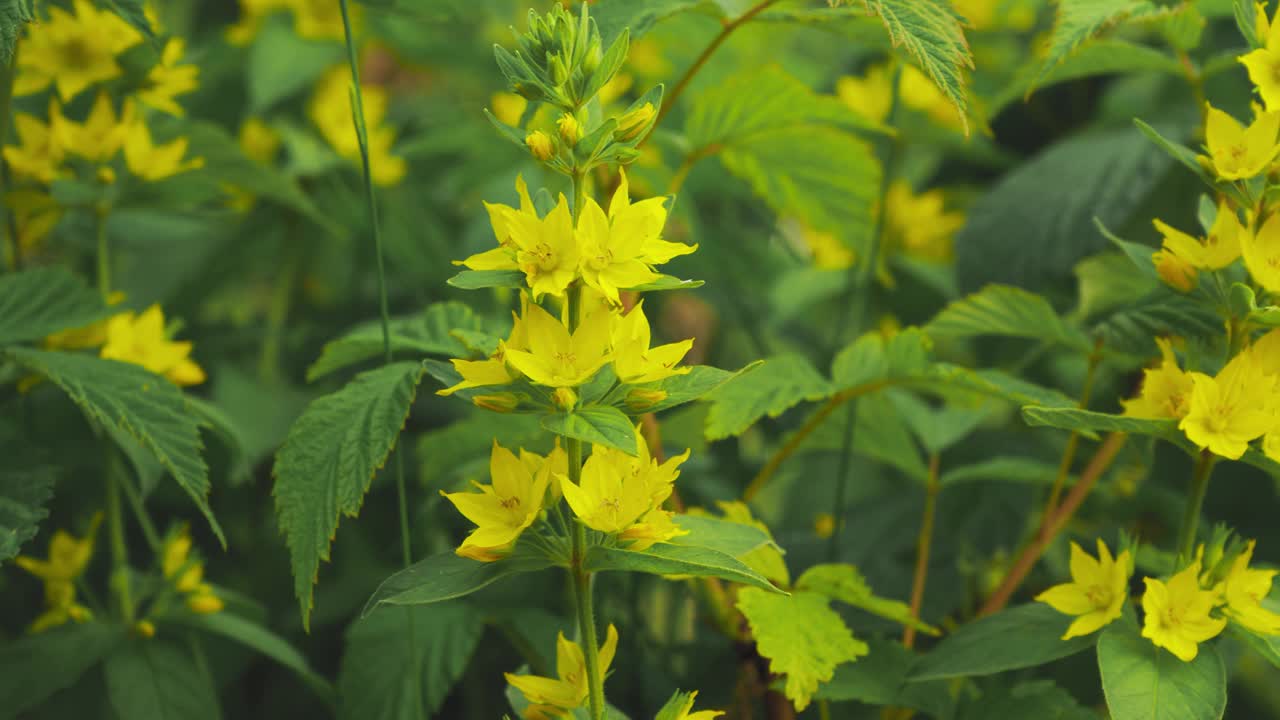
[(1195, 502)]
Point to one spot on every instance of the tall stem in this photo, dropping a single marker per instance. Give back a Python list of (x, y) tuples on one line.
[(119, 551), (842, 481), (104, 253), (139, 507), (1195, 501), (923, 545)]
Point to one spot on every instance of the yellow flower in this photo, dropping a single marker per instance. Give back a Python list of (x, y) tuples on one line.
[(1217, 250), (1237, 152), (508, 107), (646, 481), (492, 371), (100, 136), (1166, 390), (684, 710), (870, 96), (1264, 63), (153, 162), (828, 252), (312, 19), (556, 697), (1177, 613), (824, 525), (557, 358), (919, 223), (609, 499), (1097, 590), (1244, 589), (1231, 409), (634, 122), (543, 249), (1262, 254), (633, 360), (920, 93), (168, 79), (73, 51), (39, 156), (540, 145), (330, 111), (259, 141), (653, 527), (502, 509), (35, 213), (68, 558), (187, 573), (90, 336), (141, 340), (1174, 271), (619, 250), (570, 130)]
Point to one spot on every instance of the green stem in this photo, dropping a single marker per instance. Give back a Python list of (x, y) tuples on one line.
[(104, 253), (923, 546), (278, 313), (842, 481), (119, 551), (582, 594), (1195, 501), (139, 508)]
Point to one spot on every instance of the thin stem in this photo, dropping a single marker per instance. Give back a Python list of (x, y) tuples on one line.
[(139, 508), (707, 52), (278, 312), (119, 551), (1053, 524), (104, 253), (923, 545), (582, 594), (1195, 501), (842, 481)]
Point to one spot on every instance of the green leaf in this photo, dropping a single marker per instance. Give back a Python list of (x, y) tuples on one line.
[(778, 384), (1268, 646), (37, 303), (1089, 422), (325, 466), (1041, 699), (1002, 469), (668, 559), (225, 428), (843, 582), (133, 401), (639, 16), (731, 538), (14, 16), (445, 576), (399, 661), (429, 332), (801, 636), (281, 64), (1100, 57), (606, 426), (1183, 154), (1081, 20), (871, 358), (260, 639), (667, 282), (1002, 310), (693, 385), (1144, 682), (1019, 637), (477, 279), (33, 667), (461, 449), (23, 496), (880, 678), (156, 680), (133, 13)]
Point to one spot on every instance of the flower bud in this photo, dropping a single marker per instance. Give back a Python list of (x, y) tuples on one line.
[(504, 402), (570, 130), (631, 124), (144, 629), (204, 603), (1175, 272), (641, 399), (540, 145), (564, 398)]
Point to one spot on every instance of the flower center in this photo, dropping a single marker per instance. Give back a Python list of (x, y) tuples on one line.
[(1099, 595)]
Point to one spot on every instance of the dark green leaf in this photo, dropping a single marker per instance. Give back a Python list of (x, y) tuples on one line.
[(262, 640), (1003, 310), (1020, 637), (157, 680), (1144, 682), (33, 667), (36, 303), (445, 576), (24, 492), (427, 333)]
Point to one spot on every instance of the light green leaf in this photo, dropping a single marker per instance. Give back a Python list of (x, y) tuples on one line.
[(429, 332), (400, 661), (1081, 20), (36, 303), (477, 279), (668, 559), (156, 680), (639, 16), (693, 385), (33, 667), (667, 282), (871, 358), (771, 389), (260, 639), (600, 425), (843, 582), (1003, 310), (1087, 421), (1019, 637), (801, 636), (128, 399), (445, 576), (23, 496), (731, 538), (325, 466), (1144, 682)]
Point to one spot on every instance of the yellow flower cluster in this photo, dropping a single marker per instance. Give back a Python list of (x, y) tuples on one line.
[(68, 558), (330, 111), (187, 573), (1191, 607)]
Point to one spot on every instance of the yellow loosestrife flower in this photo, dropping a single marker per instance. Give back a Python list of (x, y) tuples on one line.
[(259, 141), (141, 340), (1262, 254), (633, 360), (508, 107), (187, 573), (1217, 250), (494, 370), (557, 697), (504, 508), (540, 145), (67, 560), (1233, 408), (920, 224), (609, 499), (1174, 271), (39, 155), (685, 711), (1237, 152), (506, 222), (168, 79), (544, 249), (1166, 390), (620, 250), (657, 481), (870, 96), (1177, 613), (1243, 591), (1263, 64), (153, 162), (555, 357), (1097, 590), (100, 136), (73, 51), (829, 253), (330, 111)]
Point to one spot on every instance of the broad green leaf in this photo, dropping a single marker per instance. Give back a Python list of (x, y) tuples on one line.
[(445, 576), (606, 426), (938, 427), (1002, 469), (731, 538), (801, 636), (693, 385), (233, 436), (1144, 682), (14, 16), (1101, 57), (1019, 637), (260, 639), (33, 667), (36, 303), (429, 332), (154, 679), (281, 64), (461, 449), (1007, 311), (400, 661), (1133, 327), (1268, 646), (24, 492), (477, 279), (881, 433), (146, 407), (763, 557), (1040, 699), (871, 358), (771, 389), (668, 559), (880, 678), (843, 582), (1081, 20), (329, 459)]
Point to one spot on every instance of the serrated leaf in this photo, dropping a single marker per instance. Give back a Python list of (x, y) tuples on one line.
[(328, 461), (37, 303), (14, 16), (23, 496), (1003, 310), (606, 426), (261, 640), (872, 358), (429, 332), (668, 559), (1144, 682), (153, 679), (801, 636), (445, 576), (33, 667), (1019, 637), (400, 661), (1081, 20), (843, 582), (771, 389), (129, 399)]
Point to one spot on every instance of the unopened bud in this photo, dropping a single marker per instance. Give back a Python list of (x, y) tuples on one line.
[(559, 71), (144, 629), (540, 145), (504, 402), (205, 603), (641, 399), (633, 123), (570, 130), (1175, 272), (564, 398)]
